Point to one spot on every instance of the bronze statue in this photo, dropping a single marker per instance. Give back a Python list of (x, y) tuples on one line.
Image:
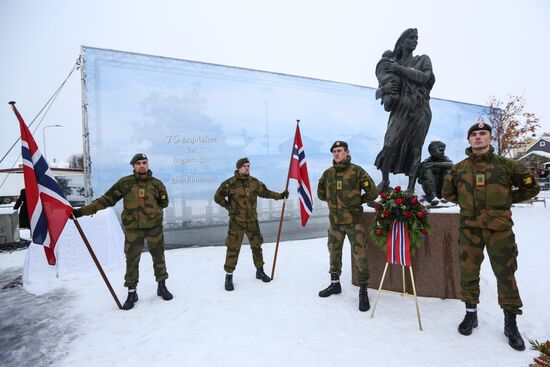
[(433, 171), (405, 82)]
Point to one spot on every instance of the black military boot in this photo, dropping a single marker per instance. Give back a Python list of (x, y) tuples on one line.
[(263, 276), (333, 288), (163, 292), (364, 304), (511, 331), (229, 282), (470, 320), (132, 298)]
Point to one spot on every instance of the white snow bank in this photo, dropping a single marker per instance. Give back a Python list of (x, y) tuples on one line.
[(285, 323), (73, 259)]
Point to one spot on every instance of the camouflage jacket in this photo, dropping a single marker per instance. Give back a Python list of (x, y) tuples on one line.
[(482, 186), (340, 186), (242, 196), (144, 199)]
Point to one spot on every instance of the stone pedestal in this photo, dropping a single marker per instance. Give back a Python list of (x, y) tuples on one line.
[(435, 264)]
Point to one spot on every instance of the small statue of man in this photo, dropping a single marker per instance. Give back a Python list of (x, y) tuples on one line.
[(433, 171)]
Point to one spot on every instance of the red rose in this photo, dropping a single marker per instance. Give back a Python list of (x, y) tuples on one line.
[(386, 213), (407, 214), (377, 207), (383, 195), (414, 200), (397, 188), (399, 201), (420, 214), (378, 231)]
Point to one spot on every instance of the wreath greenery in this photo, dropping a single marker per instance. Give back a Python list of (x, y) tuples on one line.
[(401, 206)]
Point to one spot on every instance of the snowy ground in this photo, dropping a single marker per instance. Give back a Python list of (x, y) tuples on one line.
[(282, 323)]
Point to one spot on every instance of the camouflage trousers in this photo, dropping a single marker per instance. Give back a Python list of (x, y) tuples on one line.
[(234, 240), (133, 246), (357, 235), (502, 249)]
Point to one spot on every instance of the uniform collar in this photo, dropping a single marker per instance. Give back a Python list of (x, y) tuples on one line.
[(342, 165), (238, 175), (487, 156), (143, 177)]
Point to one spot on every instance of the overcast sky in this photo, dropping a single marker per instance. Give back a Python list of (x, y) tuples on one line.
[(478, 48)]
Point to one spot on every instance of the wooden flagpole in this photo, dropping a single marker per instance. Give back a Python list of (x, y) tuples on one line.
[(96, 261), (284, 204)]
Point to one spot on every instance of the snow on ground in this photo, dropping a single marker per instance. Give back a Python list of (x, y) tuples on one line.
[(282, 323)]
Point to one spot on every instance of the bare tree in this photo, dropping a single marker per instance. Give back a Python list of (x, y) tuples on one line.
[(511, 123), (76, 161), (63, 182)]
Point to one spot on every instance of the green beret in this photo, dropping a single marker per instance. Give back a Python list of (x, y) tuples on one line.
[(339, 143), (241, 162), (479, 126), (137, 157)]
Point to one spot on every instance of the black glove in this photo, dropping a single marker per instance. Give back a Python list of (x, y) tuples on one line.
[(285, 194), (77, 213)]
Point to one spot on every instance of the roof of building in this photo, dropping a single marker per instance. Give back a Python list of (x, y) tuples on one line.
[(535, 152)]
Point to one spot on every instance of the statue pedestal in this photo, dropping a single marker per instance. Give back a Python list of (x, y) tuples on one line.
[(435, 264)]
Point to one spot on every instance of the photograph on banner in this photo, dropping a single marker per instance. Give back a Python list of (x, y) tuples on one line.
[(194, 120)]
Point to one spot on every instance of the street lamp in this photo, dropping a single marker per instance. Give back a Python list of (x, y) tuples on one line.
[(44, 136)]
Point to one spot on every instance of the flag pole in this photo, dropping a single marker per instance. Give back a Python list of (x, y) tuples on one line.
[(96, 261), (284, 204)]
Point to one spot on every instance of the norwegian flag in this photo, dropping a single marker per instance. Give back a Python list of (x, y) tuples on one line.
[(398, 244), (298, 171), (48, 208)]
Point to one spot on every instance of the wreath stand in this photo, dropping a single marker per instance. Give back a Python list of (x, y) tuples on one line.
[(404, 293)]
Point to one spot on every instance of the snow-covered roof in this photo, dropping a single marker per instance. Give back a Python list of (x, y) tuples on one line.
[(535, 152)]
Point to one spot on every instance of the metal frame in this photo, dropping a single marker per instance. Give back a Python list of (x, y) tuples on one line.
[(404, 293), (85, 132)]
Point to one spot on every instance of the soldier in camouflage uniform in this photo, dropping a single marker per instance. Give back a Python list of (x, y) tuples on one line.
[(239, 195), (341, 186), (144, 197), (483, 186)]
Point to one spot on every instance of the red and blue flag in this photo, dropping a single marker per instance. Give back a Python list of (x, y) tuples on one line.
[(398, 244), (48, 208), (298, 171)]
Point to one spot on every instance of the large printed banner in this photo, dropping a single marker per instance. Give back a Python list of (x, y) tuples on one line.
[(194, 120)]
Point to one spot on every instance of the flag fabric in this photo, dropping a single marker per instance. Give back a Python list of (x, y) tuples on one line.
[(298, 171), (48, 208), (398, 244)]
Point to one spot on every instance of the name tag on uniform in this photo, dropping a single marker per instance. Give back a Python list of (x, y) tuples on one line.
[(246, 191), (141, 193), (480, 180), (339, 185)]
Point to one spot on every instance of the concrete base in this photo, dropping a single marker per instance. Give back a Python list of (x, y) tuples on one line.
[(435, 264), (9, 228)]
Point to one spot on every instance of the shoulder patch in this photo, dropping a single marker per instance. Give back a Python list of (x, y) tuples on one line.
[(366, 184), (528, 181)]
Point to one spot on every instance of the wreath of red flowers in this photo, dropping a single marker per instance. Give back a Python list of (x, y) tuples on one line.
[(401, 206)]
